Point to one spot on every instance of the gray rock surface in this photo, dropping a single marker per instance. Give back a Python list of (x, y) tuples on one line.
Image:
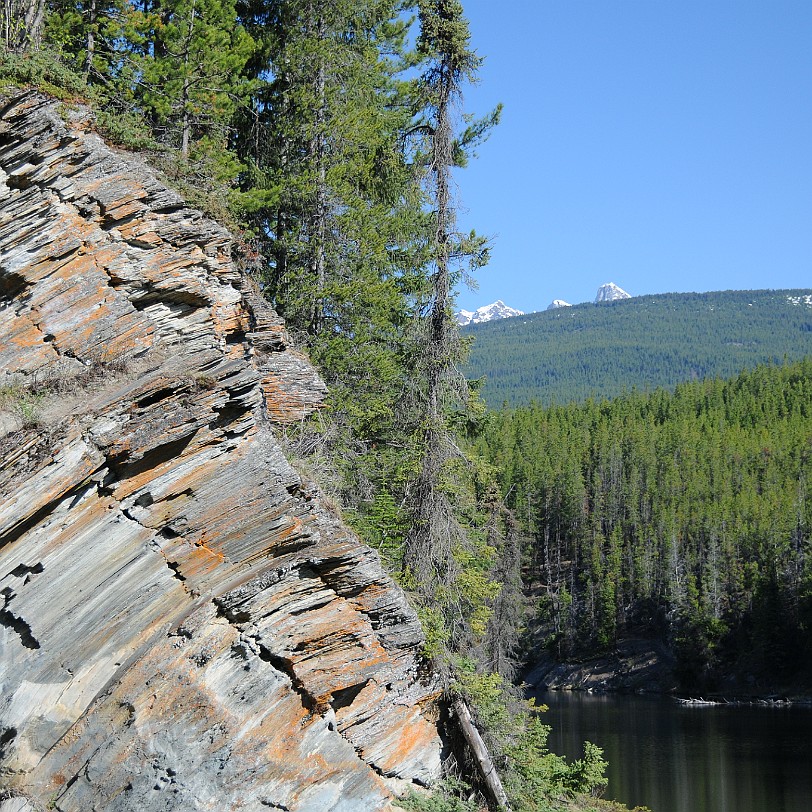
[(183, 623)]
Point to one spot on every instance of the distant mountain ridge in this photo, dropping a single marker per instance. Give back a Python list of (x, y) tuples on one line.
[(495, 310), (601, 350), (610, 292)]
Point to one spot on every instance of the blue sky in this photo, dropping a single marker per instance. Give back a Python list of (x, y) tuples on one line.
[(664, 145)]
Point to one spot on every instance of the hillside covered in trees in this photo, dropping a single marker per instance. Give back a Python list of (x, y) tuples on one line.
[(684, 516), (602, 350), (324, 134)]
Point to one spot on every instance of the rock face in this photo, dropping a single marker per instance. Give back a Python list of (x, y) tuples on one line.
[(639, 665), (184, 623)]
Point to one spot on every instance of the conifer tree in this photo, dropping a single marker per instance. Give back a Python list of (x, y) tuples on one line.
[(328, 182), (92, 36), (191, 70), (335, 205), (435, 532), (502, 637)]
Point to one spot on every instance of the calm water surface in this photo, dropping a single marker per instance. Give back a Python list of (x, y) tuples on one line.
[(676, 758)]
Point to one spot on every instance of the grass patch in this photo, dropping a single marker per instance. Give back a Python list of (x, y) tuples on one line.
[(23, 403), (25, 397)]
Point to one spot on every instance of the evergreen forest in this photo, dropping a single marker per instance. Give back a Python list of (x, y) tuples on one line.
[(603, 350), (684, 516), (324, 134)]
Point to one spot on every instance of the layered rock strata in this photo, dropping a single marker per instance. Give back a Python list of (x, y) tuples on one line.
[(184, 623)]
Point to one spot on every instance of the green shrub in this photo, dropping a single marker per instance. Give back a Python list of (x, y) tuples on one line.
[(446, 796), (537, 778), (126, 129), (43, 70)]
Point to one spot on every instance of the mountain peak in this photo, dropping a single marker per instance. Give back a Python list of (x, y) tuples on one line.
[(556, 303), (610, 292), (495, 310)]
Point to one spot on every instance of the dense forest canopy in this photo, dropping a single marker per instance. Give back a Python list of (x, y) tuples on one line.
[(685, 515), (603, 350)]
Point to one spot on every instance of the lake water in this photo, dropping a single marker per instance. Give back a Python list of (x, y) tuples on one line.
[(676, 758)]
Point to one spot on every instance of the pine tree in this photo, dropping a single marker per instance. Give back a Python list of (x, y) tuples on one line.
[(89, 34), (191, 72)]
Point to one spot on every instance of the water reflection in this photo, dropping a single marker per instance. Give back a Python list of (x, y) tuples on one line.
[(674, 758)]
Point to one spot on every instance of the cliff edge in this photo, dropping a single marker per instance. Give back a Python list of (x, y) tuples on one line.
[(184, 623)]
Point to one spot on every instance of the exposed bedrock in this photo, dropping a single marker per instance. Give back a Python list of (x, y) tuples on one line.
[(184, 624)]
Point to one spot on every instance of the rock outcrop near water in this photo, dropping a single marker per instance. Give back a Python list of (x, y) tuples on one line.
[(635, 665), (184, 622)]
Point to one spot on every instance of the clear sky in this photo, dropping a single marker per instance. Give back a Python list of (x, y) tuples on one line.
[(664, 145)]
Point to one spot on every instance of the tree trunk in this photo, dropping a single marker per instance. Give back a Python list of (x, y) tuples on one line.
[(485, 765), (91, 38), (441, 160), (317, 154), (186, 123), (428, 553), (22, 24), (7, 23), (34, 15), (185, 126)]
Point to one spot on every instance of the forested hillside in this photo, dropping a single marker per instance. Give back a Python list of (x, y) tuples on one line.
[(684, 515), (324, 133), (603, 350)]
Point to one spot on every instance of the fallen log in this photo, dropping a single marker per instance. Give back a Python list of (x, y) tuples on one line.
[(484, 762)]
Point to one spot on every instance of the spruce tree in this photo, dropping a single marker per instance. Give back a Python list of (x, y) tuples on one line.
[(445, 559)]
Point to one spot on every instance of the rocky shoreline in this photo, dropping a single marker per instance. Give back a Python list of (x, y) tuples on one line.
[(633, 666), (647, 666)]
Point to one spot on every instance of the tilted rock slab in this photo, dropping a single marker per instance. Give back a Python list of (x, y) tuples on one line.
[(184, 623)]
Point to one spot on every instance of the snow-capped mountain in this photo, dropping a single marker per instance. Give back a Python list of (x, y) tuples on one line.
[(556, 303), (496, 310), (610, 292)]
